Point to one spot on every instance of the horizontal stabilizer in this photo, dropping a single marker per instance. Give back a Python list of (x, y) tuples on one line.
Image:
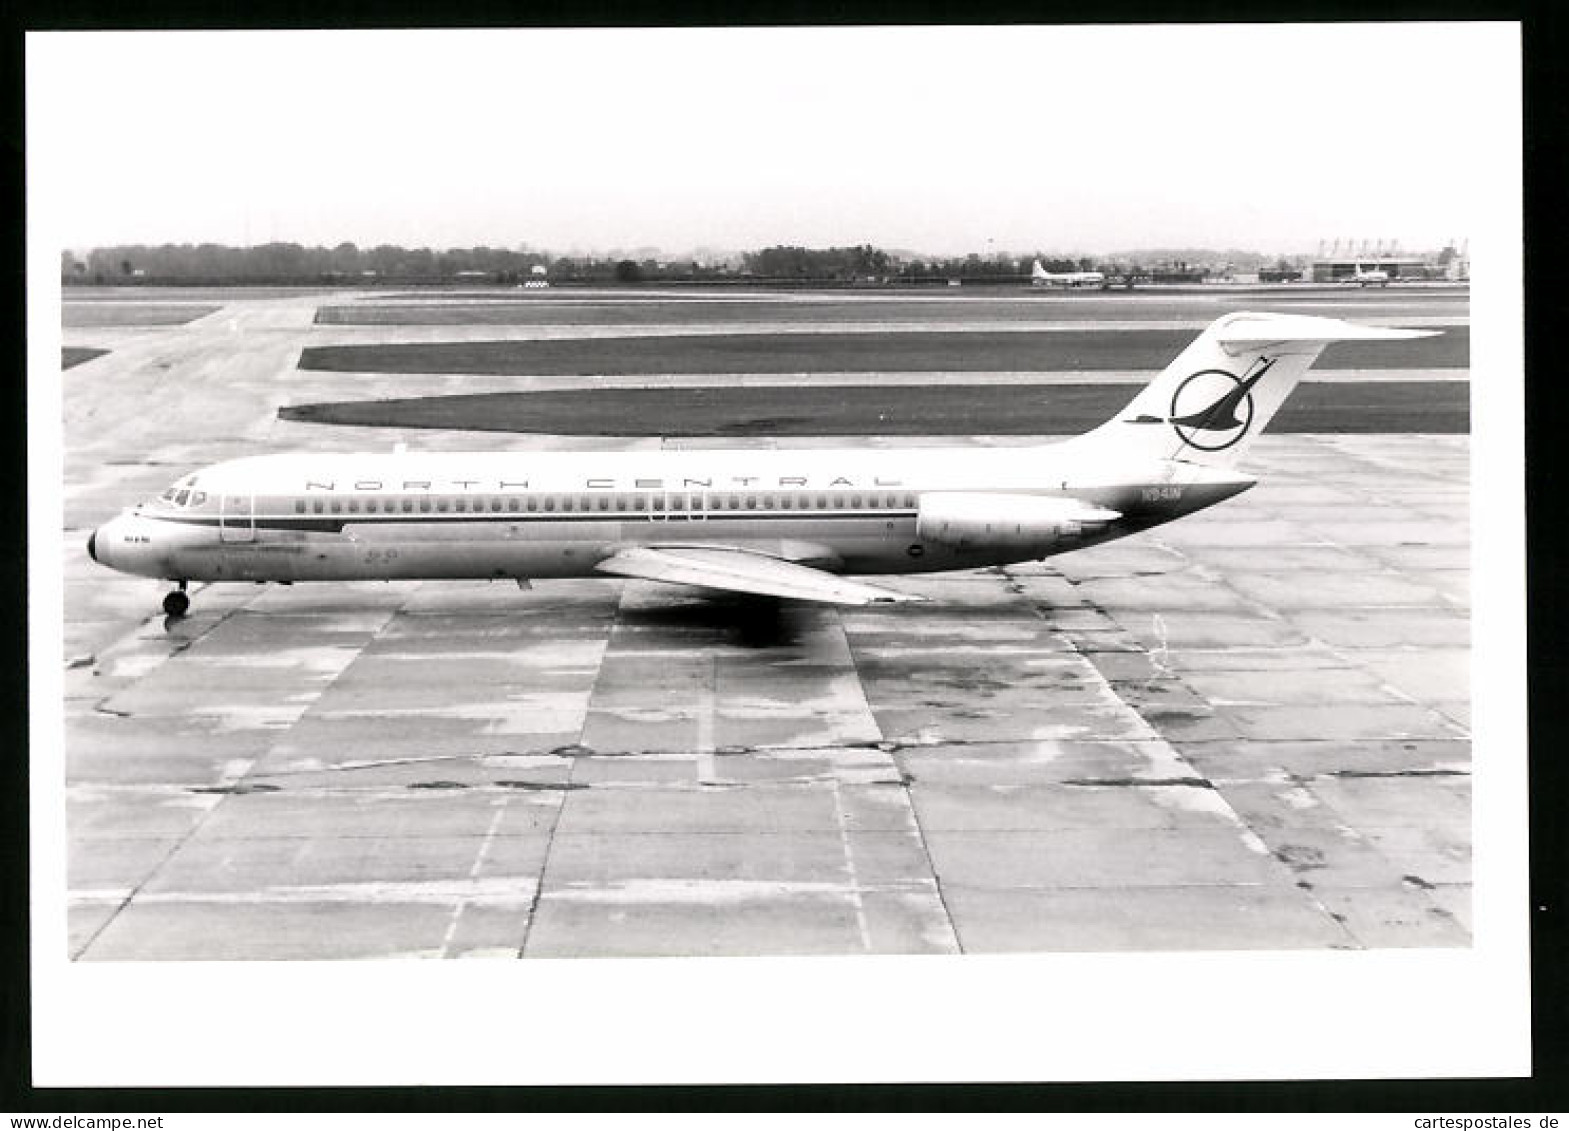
[(1264, 329), (744, 571)]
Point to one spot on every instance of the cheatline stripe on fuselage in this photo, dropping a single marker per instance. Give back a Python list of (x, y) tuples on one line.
[(336, 523)]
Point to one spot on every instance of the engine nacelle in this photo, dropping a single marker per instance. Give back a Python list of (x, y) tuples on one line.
[(966, 519)]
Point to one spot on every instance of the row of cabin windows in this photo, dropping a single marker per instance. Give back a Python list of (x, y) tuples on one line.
[(678, 501)]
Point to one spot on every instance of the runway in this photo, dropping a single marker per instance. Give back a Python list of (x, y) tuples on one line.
[(1246, 730)]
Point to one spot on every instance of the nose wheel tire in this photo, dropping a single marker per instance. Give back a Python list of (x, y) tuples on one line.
[(176, 603)]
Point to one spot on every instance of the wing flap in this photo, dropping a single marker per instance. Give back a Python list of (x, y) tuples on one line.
[(744, 571)]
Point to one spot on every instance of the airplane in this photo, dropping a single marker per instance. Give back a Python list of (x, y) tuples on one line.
[(1370, 277), (1040, 277), (797, 524)]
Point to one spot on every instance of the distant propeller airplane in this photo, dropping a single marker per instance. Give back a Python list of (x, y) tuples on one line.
[(1040, 277)]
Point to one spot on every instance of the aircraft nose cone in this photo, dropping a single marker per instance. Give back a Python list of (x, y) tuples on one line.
[(92, 545)]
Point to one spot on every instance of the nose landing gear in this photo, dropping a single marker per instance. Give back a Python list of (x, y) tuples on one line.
[(177, 602)]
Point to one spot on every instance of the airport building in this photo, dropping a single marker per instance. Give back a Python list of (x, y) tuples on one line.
[(1342, 265)]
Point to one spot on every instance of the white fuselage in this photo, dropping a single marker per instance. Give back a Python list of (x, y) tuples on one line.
[(548, 515)]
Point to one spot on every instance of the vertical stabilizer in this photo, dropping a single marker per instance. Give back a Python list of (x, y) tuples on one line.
[(1209, 404)]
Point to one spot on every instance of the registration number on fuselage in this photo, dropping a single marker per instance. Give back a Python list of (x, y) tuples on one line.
[(1165, 493)]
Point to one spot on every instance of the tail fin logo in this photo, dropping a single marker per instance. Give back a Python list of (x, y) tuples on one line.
[(1211, 410)]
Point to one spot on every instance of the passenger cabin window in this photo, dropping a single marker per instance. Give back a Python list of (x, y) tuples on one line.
[(299, 506)]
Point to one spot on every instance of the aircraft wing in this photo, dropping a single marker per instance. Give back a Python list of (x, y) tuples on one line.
[(744, 571)]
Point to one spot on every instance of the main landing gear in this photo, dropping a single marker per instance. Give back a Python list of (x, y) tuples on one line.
[(177, 602)]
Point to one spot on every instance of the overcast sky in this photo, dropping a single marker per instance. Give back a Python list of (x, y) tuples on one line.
[(942, 140)]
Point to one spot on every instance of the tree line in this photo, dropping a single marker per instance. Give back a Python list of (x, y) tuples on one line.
[(291, 263)]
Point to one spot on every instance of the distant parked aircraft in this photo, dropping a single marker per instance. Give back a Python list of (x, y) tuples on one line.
[(782, 523), (1370, 277), (1040, 277)]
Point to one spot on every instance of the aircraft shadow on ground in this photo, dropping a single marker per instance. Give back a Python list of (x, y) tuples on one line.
[(740, 620)]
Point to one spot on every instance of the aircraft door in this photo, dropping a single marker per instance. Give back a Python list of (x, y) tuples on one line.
[(237, 518)]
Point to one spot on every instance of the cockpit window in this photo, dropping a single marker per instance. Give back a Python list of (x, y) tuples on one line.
[(184, 494)]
